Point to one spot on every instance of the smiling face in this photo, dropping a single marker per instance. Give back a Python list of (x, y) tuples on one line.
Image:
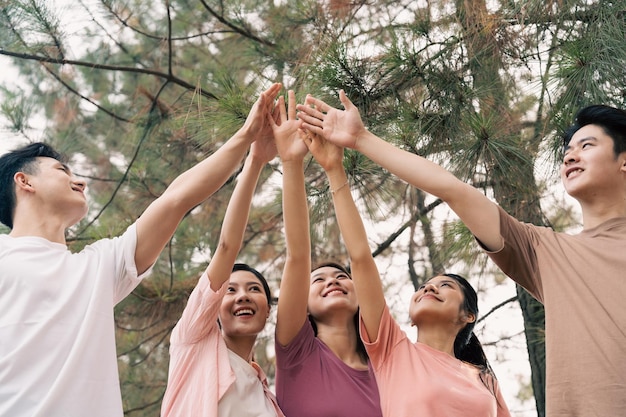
[(331, 289), (440, 299), (590, 166), (58, 189), (244, 309)]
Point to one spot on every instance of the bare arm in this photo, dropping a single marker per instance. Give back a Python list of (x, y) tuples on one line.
[(345, 128), (295, 282), (236, 217), (159, 221), (365, 274)]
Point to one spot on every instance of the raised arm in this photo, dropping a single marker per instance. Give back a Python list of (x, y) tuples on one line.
[(236, 218), (365, 274), (159, 221), (294, 286), (345, 128)]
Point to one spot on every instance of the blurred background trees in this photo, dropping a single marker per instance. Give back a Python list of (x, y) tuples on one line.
[(137, 91)]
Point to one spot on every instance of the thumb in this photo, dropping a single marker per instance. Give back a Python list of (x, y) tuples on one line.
[(345, 100)]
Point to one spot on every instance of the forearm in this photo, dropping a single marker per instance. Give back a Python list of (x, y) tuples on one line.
[(364, 270), (159, 221), (199, 182), (348, 217), (294, 286), (296, 212), (234, 223), (412, 168), (477, 212)]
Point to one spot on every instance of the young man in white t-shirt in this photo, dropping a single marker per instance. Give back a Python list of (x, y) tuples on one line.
[(57, 340)]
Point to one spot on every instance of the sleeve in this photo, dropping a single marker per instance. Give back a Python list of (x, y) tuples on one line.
[(116, 257), (389, 336), (199, 317), (298, 350), (503, 409), (518, 257)]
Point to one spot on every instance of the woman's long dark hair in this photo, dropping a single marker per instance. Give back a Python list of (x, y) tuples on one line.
[(467, 347), (360, 347)]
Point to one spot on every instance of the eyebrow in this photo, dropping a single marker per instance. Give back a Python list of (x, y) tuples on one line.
[(245, 284), (334, 274), (581, 140), (65, 167), (444, 281)]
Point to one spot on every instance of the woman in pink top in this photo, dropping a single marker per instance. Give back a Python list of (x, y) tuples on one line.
[(445, 373), (322, 368), (211, 370)]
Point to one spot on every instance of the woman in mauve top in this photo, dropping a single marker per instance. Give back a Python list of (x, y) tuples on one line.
[(322, 368), (445, 373)]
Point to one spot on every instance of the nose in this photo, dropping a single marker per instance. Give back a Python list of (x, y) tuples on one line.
[(570, 157), (80, 183), (242, 296), (430, 287), (330, 281)]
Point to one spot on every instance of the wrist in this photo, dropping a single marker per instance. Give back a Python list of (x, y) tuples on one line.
[(244, 135), (255, 161), (336, 178), (361, 139)]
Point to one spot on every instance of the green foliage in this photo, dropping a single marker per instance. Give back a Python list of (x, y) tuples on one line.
[(138, 91)]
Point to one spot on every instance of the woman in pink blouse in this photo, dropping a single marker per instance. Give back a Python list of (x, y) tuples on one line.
[(211, 370)]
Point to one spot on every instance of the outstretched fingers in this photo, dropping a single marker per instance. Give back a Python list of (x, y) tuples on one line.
[(291, 105)]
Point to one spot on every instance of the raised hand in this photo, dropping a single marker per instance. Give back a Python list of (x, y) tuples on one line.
[(326, 153), (341, 127), (264, 148), (256, 125), (285, 126)]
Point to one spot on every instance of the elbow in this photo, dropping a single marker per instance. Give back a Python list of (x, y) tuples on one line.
[(363, 257), (228, 246)]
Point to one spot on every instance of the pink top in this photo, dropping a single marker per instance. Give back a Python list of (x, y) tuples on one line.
[(417, 380), (200, 371)]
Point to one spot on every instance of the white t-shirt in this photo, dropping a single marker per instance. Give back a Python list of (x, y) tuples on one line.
[(57, 334), (245, 397)]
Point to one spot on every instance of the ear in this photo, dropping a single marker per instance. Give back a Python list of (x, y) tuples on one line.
[(22, 182), (470, 318)]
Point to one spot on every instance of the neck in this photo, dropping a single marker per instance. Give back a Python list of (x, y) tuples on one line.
[(35, 218), (242, 346), (595, 214), (342, 341), (47, 230), (438, 338)]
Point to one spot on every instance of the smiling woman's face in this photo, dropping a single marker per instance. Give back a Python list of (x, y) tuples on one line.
[(331, 288), (440, 298), (244, 309)]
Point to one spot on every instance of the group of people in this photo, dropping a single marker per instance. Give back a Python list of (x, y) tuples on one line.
[(339, 351)]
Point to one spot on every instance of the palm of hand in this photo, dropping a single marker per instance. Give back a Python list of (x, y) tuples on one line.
[(264, 148), (287, 140), (342, 127), (325, 153)]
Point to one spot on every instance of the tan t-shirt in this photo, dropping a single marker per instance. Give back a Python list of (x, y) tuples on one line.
[(581, 280)]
